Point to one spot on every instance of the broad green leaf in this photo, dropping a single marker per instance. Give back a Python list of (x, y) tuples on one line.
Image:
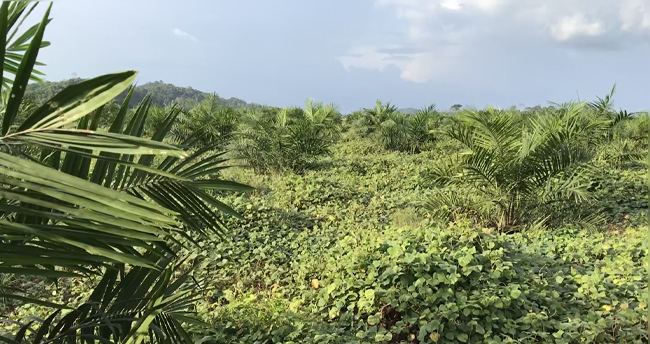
[(515, 293)]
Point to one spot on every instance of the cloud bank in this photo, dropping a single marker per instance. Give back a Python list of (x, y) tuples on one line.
[(444, 35)]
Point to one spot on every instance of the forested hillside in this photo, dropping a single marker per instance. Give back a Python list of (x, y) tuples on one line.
[(162, 94)]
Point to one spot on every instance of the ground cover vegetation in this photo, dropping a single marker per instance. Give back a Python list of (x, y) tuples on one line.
[(128, 220)]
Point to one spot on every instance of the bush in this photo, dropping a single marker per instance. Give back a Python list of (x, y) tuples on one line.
[(409, 133)]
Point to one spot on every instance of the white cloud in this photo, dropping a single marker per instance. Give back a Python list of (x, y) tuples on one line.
[(453, 5), (182, 34), (445, 34), (635, 15), (575, 26)]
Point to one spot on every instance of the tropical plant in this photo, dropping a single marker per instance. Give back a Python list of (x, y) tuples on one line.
[(409, 133), (15, 46), (289, 138), (372, 118), (77, 202), (213, 122), (621, 151), (637, 128), (260, 139), (522, 165), (603, 109)]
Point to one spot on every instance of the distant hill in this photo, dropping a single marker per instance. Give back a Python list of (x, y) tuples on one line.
[(161, 93)]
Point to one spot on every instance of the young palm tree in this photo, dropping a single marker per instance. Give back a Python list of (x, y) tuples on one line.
[(374, 117), (520, 164), (290, 138), (409, 133), (214, 122)]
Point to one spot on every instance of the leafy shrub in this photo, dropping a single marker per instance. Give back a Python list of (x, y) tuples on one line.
[(619, 152), (637, 129), (369, 121), (428, 285), (393, 130), (247, 319)]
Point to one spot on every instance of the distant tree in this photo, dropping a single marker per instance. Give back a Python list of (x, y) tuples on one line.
[(455, 107)]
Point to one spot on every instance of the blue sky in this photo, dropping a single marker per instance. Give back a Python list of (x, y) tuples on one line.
[(352, 52)]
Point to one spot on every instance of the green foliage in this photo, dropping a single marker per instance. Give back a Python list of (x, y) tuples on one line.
[(636, 128), (347, 256), (470, 287), (111, 198), (286, 139), (76, 202), (15, 47), (519, 165), (409, 133), (395, 130), (209, 122), (370, 120)]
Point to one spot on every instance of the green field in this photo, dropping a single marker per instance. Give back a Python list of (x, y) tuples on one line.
[(125, 218)]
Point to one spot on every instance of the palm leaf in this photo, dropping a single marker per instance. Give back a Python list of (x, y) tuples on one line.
[(11, 19), (23, 73), (126, 309)]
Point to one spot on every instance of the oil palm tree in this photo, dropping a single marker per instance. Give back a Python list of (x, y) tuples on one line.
[(289, 138), (374, 117), (520, 164), (76, 201), (211, 119), (409, 133), (609, 119)]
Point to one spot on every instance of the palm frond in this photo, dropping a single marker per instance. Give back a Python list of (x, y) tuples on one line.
[(126, 307), (13, 15)]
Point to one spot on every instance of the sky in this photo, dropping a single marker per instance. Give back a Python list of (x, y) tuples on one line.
[(413, 53)]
